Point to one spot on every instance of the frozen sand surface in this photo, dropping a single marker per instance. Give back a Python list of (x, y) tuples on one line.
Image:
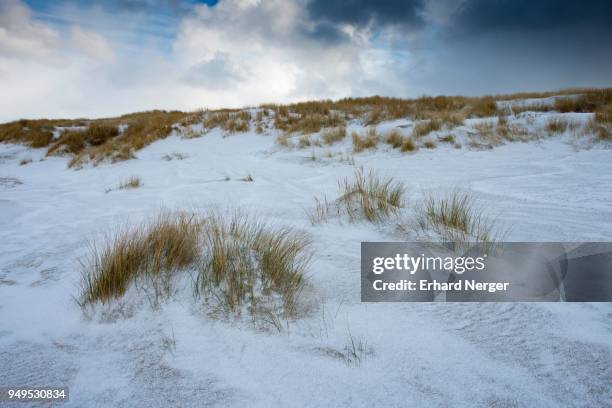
[(422, 354)]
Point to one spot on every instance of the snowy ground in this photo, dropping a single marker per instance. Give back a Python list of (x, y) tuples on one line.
[(545, 355)]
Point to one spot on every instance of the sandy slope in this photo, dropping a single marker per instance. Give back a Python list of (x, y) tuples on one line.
[(421, 354)]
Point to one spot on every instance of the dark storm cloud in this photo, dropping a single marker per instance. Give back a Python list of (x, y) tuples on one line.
[(500, 46), (407, 13), (324, 32), (482, 16)]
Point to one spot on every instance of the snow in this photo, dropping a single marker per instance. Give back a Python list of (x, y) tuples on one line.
[(437, 354)]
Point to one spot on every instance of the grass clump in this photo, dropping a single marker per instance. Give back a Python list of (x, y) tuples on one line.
[(556, 126), (129, 184), (99, 133), (454, 218), (322, 210), (452, 120), (409, 145), (334, 135), (600, 129), (69, 142), (604, 116), (236, 261), (368, 141), (304, 142), (370, 196), (395, 138), (424, 128), (367, 196), (248, 263), (151, 252), (356, 350), (237, 122), (483, 107), (601, 123), (284, 140), (430, 144)]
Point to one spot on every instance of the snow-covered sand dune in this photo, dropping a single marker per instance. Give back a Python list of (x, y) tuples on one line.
[(545, 355)]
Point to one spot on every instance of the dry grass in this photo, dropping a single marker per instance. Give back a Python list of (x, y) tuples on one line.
[(99, 133), (34, 133), (237, 123), (153, 252), (485, 129), (535, 95), (129, 184), (308, 117), (142, 129), (249, 263), (409, 145), (483, 107), (600, 129), (452, 120), (368, 141), (284, 140), (334, 135), (593, 100), (304, 142), (430, 144), (454, 218), (355, 351), (502, 128), (424, 128), (395, 138), (556, 126), (312, 116), (322, 210), (70, 142), (602, 123), (75, 141), (307, 124), (100, 140), (366, 196), (231, 121), (237, 261), (579, 104), (370, 196), (604, 116)]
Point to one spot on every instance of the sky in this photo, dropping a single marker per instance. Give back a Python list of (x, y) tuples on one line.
[(69, 58)]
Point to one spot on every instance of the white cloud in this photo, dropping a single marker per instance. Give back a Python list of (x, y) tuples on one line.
[(22, 37), (237, 53), (269, 40), (92, 44)]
